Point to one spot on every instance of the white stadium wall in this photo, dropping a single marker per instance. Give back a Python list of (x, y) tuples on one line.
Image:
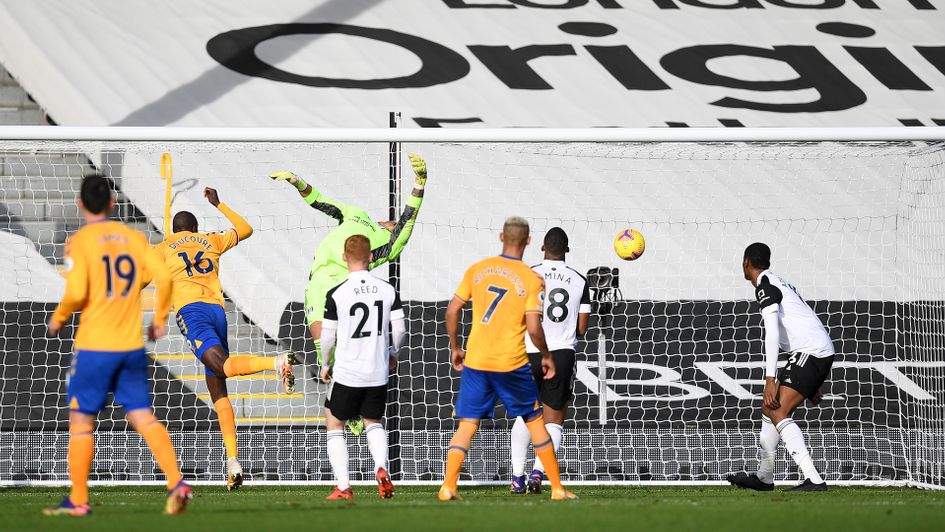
[(562, 63)]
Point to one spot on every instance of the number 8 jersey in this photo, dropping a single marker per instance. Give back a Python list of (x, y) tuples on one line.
[(566, 296), (194, 262), (502, 290)]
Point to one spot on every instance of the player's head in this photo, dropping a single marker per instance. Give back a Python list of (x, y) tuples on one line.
[(556, 244), (515, 235), (95, 195), (757, 258), (185, 221), (357, 253)]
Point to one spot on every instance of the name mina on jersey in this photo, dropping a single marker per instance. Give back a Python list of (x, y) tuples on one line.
[(566, 295), (801, 329), (361, 309)]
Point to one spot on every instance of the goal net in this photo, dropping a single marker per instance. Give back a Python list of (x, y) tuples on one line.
[(669, 374)]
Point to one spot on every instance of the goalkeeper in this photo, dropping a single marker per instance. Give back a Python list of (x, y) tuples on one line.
[(329, 269)]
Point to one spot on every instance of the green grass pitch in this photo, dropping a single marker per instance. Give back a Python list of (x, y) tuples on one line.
[(415, 508)]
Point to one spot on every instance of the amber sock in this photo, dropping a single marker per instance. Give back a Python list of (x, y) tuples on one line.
[(159, 441), (227, 425), (545, 450), (456, 454), (247, 365), (81, 451)]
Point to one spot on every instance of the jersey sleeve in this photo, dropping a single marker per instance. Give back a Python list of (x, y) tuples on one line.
[(224, 240), (464, 291), (240, 226), (77, 280), (534, 290), (768, 295), (397, 308), (330, 319), (155, 268), (585, 307)]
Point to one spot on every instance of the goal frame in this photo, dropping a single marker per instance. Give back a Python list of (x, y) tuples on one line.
[(485, 136)]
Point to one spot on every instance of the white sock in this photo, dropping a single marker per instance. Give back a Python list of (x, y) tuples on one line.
[(768, 441), (338, 457), (793, 440), (377, 444), (520, 439), (556, 431)]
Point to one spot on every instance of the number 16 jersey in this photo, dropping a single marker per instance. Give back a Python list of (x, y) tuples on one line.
[(194, 262), (502, 290)]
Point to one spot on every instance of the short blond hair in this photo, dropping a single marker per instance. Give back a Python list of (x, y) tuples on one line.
[(515, 230)]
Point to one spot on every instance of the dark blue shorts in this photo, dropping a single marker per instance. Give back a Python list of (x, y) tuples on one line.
[(95, 374), (478, 391), (204, 326)]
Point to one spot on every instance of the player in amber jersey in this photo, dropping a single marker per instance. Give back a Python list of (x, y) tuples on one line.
[(193, 259), (506, 300), (105, 264)]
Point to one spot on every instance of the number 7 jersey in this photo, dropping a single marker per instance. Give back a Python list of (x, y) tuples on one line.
[(194, 262), (502, 290)]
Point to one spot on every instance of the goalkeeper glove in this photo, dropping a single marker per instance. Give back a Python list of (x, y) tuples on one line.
[(285, 175), (419, 169)]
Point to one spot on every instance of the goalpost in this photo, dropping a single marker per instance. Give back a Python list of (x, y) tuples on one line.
[(669, 375)]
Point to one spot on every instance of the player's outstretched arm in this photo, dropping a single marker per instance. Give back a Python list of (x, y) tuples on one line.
[(537, 335), (404, 227), (242, 227), (315, 199), (453, 311)]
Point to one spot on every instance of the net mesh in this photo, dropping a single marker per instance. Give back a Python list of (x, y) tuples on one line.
[(668, 377)]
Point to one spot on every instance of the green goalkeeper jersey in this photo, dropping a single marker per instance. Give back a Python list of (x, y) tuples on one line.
[(385, 245)]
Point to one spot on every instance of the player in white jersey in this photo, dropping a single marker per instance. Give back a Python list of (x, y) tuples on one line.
[(567, 308), (791, 326), (358, 313)]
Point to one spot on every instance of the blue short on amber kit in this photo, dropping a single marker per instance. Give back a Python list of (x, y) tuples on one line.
[(204, 326), (95, 374), (478, 391)]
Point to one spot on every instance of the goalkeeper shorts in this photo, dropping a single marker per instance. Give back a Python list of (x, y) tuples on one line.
[(95, 374), (316, 291)]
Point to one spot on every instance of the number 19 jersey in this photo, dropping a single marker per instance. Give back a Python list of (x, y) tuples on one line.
[(502, 290), (105, 263), (194, 262)]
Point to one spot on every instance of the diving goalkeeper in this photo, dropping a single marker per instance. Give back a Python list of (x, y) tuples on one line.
[(329, 269)]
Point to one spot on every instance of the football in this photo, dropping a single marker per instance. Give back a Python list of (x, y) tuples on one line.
[(629, 244)]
